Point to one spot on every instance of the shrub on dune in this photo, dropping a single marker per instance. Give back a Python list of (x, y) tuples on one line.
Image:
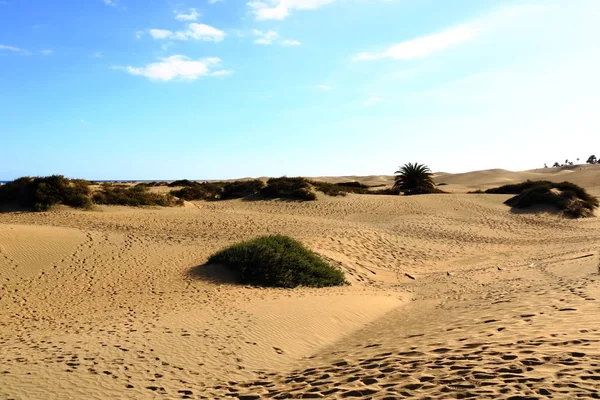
[(288, 188), (278, 261), (574, 201), (241, 189), (182, 183), (132, 196), (41, 193)]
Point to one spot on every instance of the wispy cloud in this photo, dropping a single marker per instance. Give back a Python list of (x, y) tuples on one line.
[(324, 87), (192, 15), (280, 9), (178, 67), (47, 52), (373, 100), (269, 37), (96, 54), (222, 72), (214, 1), (110, 3), (289, 42), (195, 31), (265, 38), (424, 45), (428, 45), (11, 48)]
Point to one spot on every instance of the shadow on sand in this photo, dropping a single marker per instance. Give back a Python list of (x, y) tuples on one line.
[(215, 273)]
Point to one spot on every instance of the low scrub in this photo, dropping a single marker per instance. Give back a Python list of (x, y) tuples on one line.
[(182, 183), (241, 189), (574, 201), (288, 188), (331, 189), (198, 191), (136, 196), (41, 193), (278, 261)]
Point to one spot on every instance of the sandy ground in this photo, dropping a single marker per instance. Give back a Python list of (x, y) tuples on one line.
[(109, 304)]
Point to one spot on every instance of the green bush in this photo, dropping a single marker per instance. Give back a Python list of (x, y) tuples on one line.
[(241, 189), (132, 196), (182, 183), (278, 261), (41, 193), (199, 191), (330, 189), (571, 199), (353, 184), (288, 188)]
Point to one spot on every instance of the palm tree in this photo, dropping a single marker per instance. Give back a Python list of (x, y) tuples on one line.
[(414, 179), (592, 160)]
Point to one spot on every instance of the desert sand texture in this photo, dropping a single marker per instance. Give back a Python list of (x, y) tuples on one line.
[(452, 296)]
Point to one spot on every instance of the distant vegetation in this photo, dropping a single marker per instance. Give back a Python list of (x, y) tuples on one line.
[(414, 179), (278, 261), (571, 199), (136, 196), (289, 189), (591, 160), (41, 193)]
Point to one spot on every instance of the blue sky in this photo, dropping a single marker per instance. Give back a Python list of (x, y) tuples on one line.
[(204, 89)]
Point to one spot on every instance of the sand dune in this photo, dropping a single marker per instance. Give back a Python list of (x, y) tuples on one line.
[(106, 303)]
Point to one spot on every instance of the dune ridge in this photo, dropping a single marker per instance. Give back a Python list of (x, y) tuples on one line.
[(452, 296)]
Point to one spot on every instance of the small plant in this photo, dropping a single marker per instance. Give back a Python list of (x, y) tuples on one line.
[(278, 261)]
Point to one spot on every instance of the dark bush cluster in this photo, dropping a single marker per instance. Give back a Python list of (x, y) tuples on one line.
[(219, 190), (288, 188), (241, 189), (182, 183), (110, 194), (574, 201), (278, 261), (198, 191), (331, 189), (41, 193)]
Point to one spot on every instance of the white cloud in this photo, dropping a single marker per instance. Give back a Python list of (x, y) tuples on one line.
[(280, 9), (324, 87), (96, 54), (265, 38), (222, 72), (205, 32), (289, 42), (178, 67), (427, 45), (139, 34), (11, 48), (373, 100), (110, 3), (160, 33), (214, 1), (424, 45), (191, 16), (195, 31), (47, 52)]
